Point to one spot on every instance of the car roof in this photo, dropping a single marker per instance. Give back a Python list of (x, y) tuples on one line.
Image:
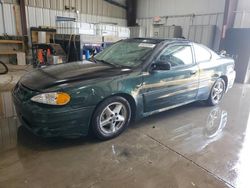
[(157, 40)]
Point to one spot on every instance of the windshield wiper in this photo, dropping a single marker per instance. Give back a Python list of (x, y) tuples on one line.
[(113, 65), (105, 62)]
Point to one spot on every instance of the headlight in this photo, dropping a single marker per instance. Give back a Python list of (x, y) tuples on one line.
[(55, 98)]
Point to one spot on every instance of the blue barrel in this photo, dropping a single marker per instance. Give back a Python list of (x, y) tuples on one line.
[(87, 54)]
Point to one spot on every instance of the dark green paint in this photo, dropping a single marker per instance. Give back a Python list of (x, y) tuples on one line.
[(149, 91)]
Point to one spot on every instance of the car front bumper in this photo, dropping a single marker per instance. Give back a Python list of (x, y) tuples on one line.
[(231, 78), (53, 121)]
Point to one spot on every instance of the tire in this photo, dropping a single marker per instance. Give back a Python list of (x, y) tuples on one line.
[(3, 68), (111, 118), (217, 92)]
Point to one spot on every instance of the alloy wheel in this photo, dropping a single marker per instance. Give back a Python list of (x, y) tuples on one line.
[(217, 92), (112, 118)]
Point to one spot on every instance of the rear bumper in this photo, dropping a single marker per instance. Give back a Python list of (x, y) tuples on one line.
[(51, 122), (231, 78)]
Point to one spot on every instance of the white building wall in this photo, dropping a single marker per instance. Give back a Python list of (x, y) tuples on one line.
[(179, 12), (185, 13), (47, 17), (151, 8), (43, 13), (242, 19), (39, 16), (7, 19), (93, 7)]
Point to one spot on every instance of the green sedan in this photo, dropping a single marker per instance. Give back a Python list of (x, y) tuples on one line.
[(131, 79)]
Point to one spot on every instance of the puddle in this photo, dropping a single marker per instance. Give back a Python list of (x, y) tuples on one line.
[(7, 109), (215, 138), (8, 122)]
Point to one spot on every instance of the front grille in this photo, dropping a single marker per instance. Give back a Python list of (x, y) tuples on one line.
[(26, 122)]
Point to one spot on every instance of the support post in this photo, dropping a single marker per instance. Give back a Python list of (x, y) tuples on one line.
[(229, 18), (131, 12), (23, 17)]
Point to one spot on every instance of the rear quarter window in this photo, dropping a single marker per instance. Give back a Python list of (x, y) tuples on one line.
[(201, 53)]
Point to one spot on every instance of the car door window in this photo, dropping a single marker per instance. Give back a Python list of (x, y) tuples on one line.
[(179, 55), (201, 53)]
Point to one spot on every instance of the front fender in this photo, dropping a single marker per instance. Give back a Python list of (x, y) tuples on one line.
[(94, 92)]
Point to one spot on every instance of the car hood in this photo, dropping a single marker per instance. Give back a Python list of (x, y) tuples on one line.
[(50, 76)]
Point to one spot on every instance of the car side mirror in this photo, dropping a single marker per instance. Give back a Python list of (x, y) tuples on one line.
[(161, 65), (223, 53)]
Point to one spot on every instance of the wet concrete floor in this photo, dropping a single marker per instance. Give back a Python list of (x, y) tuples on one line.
[(191, 146), (8, 81)]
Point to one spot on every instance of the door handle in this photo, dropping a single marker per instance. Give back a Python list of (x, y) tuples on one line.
[(192, 72)]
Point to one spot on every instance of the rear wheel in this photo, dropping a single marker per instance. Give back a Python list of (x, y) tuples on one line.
[(217, 92), (111, 118)]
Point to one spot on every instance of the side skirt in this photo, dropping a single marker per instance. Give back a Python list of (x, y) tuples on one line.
[(167, 108)]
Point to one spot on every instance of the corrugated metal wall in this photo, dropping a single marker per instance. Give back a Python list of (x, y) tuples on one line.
[(7, 19), (178, 12), (185, 21), (151, 8), (43, 13), (38, 16), (93, 7), (47, 17), (207, 13), (242, 19), (181, 13)]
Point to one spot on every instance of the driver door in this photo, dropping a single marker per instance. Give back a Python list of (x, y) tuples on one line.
[(167, 88)]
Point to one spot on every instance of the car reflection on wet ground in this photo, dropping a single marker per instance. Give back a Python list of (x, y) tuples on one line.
[(191, 146)]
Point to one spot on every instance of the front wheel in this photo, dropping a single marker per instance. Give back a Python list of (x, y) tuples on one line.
[(111, 118), (217, 92)]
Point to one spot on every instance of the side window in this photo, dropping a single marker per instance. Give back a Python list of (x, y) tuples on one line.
[(201, 53), (177, 55)]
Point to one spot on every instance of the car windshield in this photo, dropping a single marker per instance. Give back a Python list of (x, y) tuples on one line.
[(125, 53)]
